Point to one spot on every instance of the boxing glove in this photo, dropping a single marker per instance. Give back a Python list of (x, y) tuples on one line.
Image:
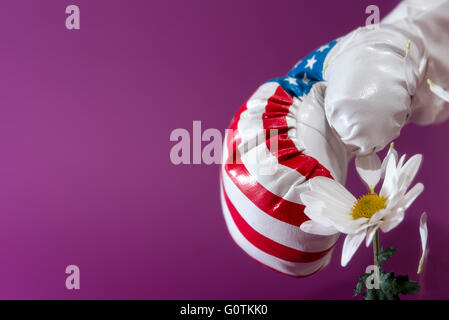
[(350, 97)]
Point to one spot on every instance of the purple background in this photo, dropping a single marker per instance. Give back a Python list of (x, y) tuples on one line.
[(85, 173)]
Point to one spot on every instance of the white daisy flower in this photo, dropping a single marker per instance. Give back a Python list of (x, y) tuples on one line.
[(332, 208)]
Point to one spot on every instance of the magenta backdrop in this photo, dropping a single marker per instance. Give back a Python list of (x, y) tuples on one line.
[(85, 173)]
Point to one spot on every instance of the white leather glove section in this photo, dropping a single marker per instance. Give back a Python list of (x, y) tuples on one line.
[(317, 137), (377, 78), (429, 20), (369, 81)]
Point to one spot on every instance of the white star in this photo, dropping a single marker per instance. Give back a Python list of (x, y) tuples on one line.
[(291, 80), (311, 62), (305, 79), (322, 48)]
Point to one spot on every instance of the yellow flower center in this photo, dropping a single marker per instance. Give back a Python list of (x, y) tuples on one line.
[(367, 205)]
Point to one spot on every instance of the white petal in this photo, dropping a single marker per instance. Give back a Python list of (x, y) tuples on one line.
[(314, 227), (408, 171), (438, 91), (374, 223), (394, 200), (423, 232), (369, 168), (330, 204), (313, 203), (378, 216), (324, 211), (315, 207), (370, 234), (350, 246), (354, 226), (333, 190), (412, 195), (391, 153), (336, 199), (392, 220), (390, 180), (400, 163)]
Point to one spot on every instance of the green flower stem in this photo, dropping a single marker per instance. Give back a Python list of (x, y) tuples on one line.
[(376, 249)]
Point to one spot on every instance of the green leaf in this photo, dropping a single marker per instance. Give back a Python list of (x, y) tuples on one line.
[(405, 286), (386, 277), (410, 287), (390, 286), (371, 294), (385, 254), (361, 284)]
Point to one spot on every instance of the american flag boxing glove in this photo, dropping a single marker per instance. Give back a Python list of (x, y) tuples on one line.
[(263, 212), (349, 97)]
